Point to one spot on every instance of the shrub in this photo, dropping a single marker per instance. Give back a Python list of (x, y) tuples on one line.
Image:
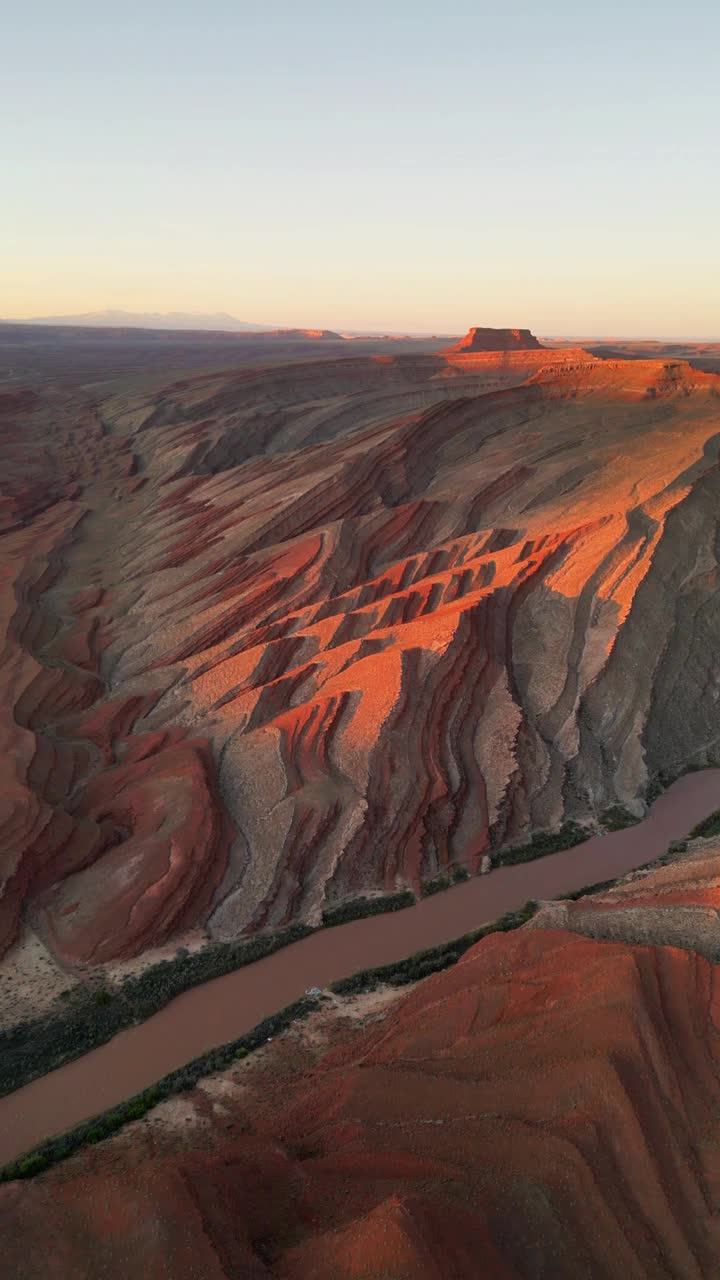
[(598, 887), (653, 790), (617, 817), (433, 960), (357, 908), (31, 1165), (542, 843), (708, 827), (666, 777), (436, 885), (87, 1017), (109, 1122), (444, 880)]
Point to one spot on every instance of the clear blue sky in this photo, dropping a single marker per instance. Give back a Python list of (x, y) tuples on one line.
[(400, 165)]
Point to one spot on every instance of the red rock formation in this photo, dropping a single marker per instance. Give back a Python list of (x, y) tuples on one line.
[(376, 612), (676, 904), (478, 339), (380, 606), (479, 549), (146, 835), (164, 854)]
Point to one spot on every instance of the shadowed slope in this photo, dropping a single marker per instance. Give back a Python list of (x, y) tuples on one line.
[(146, 830), (384, 615)]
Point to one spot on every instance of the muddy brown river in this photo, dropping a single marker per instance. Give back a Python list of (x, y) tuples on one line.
[(224, 1008)]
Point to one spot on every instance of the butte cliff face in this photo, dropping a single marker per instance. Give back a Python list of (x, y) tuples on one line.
[(286, 635), (479, 339)]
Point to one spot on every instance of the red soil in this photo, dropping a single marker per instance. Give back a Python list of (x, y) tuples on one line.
[(228, 1007), (165, 853), (545, 1109)]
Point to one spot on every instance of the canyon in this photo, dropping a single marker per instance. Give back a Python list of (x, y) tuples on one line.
[(547, 1107), (293, 634), (225, 1008), (329, 624)]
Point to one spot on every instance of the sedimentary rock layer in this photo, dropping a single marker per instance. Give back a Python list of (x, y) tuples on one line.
[(137, 818), (676, 904), (339, 625), (483, 339)]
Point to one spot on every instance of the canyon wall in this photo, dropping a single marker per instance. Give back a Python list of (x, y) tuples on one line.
[(336, 626)]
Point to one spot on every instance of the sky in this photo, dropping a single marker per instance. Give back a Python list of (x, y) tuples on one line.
[(405, 166)]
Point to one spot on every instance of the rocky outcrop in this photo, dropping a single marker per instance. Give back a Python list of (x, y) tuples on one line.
[(676, 904), (479, 339)]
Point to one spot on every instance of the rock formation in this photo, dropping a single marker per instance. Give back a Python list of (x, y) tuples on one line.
[(673, 905), (479, 339), (283, 636), (276, 637)]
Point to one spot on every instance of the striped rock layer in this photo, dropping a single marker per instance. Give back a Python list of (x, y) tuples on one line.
[(279, 637)]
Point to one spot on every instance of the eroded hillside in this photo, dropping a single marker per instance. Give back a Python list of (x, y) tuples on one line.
[(545, 1109), (280, 636)]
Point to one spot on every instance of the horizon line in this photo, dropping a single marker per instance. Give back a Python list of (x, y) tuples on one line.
[(351, 332)]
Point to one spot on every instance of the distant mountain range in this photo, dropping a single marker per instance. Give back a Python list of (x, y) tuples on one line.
[(188, 320), (153, 320)]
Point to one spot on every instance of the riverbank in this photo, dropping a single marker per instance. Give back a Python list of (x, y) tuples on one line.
[(227, 1008)]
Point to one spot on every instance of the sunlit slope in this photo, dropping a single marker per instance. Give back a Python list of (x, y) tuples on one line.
[(337, 626)]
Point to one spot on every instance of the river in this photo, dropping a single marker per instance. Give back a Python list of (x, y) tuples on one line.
[(226, 1007)]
